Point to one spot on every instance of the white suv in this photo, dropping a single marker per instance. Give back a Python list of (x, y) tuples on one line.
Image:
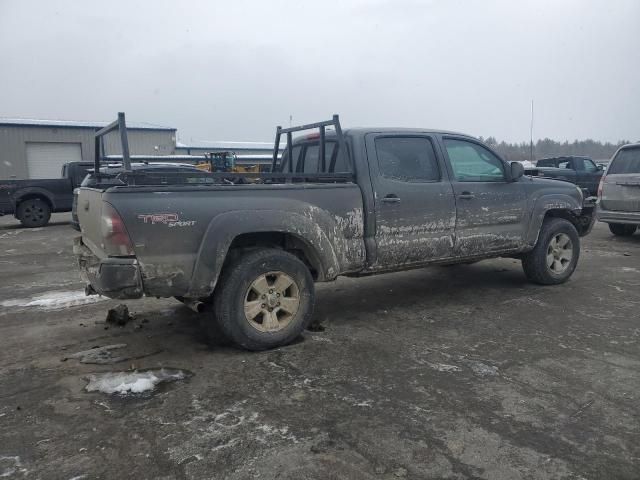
[(619, 192)]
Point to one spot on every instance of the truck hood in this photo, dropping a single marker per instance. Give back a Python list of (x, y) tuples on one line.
[(561, 187)]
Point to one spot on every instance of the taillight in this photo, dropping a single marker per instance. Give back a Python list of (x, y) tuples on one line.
[(114, 234), (600, 187)]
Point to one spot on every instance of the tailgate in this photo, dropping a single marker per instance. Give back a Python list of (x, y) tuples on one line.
[(89, 211)]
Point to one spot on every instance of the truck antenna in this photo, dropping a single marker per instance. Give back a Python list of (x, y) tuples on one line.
[(531, 135)]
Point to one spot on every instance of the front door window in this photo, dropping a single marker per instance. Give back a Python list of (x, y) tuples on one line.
[(473, 163)]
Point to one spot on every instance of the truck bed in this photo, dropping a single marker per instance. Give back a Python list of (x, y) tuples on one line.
[(175, 228)]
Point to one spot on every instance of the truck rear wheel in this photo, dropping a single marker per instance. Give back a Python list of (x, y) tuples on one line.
[(33, 212), (264, 299), (622, 229), (555, 256)]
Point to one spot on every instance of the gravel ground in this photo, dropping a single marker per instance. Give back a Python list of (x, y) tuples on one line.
[(449, 372)]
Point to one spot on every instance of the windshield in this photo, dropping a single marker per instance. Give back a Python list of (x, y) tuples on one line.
[(626, 161)]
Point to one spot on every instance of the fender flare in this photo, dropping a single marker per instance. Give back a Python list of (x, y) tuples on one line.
[(18, 195), (545, 203), (224, 228)]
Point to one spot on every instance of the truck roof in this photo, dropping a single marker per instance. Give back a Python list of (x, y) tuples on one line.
[(365, 130)]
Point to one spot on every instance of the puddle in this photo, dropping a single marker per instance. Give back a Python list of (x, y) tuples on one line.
[(135, 382), (54, 300)]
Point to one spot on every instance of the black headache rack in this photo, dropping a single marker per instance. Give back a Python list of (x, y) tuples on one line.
[(121, 126), (282, 172), (286, 165)]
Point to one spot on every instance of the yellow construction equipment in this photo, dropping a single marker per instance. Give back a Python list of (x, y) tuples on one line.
[(225, 162)]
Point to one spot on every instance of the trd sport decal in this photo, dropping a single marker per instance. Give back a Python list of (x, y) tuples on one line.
[(170, 219)]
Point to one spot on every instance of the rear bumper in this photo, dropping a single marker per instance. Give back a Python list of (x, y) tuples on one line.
[(610, 216), (112, 277)]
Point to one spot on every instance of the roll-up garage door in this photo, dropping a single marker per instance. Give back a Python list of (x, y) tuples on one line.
[(45, 160)]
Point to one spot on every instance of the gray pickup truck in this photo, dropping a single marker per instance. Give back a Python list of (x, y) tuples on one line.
[(358, 202)]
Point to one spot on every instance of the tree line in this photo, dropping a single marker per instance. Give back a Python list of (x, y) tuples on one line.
[(552, 148)]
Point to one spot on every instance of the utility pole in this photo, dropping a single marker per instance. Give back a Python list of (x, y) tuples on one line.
[(531, 135)]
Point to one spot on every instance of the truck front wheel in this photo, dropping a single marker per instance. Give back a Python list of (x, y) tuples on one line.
[(555, 256), (33, 212), (264, 299)]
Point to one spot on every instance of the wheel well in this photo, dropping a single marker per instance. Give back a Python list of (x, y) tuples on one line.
[(285, 241), (560, 213), (581, 223), (30, 196)]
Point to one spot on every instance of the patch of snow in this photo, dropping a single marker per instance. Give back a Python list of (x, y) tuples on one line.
[(124, 383), (54, 300), (483, 370), (527, 164), (9, 465), (443, 367)]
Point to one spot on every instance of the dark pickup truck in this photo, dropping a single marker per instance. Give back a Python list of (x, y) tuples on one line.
[(581, 171), (33, 201), (358, 202)]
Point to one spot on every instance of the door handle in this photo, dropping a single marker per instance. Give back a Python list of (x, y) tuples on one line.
[(391, 198), (466, 196)]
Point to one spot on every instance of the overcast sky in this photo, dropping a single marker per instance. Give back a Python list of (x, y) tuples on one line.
[(234, 69)]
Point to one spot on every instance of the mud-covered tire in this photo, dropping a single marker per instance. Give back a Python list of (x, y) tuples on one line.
[(242, 282), (33, 212), (622, 229), (535, 263)]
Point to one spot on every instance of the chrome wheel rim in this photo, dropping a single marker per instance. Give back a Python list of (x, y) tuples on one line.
[(271, 301), (559, 253)]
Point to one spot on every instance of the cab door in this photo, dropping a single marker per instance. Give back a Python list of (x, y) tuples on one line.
[(589, 172), (490, 209), (414, 205)]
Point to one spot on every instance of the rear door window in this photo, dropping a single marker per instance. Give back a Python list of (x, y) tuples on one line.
[(410, 159), (626, 161)]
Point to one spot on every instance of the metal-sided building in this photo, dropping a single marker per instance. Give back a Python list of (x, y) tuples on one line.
[(201, 147), (39, 148)]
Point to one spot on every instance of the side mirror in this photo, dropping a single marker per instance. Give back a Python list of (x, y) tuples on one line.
[(600, 168), (517, 171)]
